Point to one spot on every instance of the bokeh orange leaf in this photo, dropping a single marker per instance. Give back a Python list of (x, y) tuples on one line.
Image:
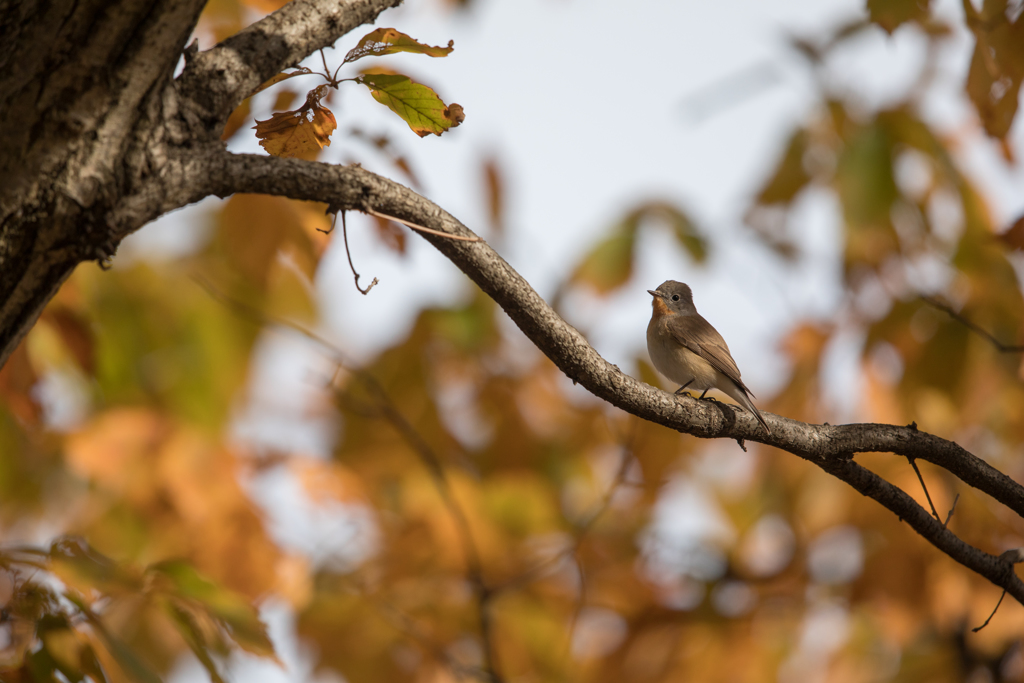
[(891, 14), (997, 66)]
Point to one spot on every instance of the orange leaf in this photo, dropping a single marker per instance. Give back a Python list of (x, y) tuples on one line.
[(390, 234), (76, 335), (1014, 236), (17, 377), (301, 133), (236, 120)]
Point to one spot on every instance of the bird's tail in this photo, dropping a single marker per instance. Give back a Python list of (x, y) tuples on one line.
[(744, 400)]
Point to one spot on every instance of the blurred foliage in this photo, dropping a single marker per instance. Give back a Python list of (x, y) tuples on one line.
[(507, 523)]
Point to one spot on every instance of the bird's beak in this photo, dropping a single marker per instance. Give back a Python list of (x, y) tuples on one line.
[(653, 293)]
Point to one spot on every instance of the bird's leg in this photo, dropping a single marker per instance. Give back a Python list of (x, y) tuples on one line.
[(710, 398), (680, 389)]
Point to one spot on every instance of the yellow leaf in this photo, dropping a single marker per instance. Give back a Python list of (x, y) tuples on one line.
[(386, 41)]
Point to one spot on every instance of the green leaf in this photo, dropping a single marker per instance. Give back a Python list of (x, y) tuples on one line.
[(609, 263), (133, 667), (387, 41), (193, 636), (867, 188), (43, 667), (685, 231), (75, 561), (230, 608), (790, 176), (418, 105)]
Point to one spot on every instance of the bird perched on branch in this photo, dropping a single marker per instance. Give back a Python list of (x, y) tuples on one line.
[(687, 349)]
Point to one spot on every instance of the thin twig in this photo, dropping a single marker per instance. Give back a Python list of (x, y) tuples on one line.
[(626, 459), (735, 88), (474, 566), (408, 626), (935, 512), (975, 630), (327, 69), (416, 226), (581, 529), (951, 510), (348, 253), (1000, 346)]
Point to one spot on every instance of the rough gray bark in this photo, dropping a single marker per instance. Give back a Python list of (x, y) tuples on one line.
[(97, 139), (95, 130)]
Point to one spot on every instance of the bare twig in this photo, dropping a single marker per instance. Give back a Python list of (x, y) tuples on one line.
[(420, 228), (348, 253), (951, 511), (913, 463), (729, 91), (327, 69), (966, 322), (408, 626), (602, 506), (978, 628), (581, 528)]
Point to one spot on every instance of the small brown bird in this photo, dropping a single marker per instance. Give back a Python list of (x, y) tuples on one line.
[(687, 349)]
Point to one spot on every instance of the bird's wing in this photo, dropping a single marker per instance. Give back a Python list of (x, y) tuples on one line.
[(697, 335)]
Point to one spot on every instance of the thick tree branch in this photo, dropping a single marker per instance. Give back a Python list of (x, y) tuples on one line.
[(218, 79), (95, 132), (829, 447), (79, 92)]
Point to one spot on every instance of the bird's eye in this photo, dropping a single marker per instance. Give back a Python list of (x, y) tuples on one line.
[(675, 297)]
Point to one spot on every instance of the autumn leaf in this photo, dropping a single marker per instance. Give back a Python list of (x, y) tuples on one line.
[(1014, 236), (236, 120), (387, 41), (83, 568), (890, 14), (385, 145), (390, 234), (997, 66), (230, 608), (418, 105), (790, 176), (609, 264), (301, 133)]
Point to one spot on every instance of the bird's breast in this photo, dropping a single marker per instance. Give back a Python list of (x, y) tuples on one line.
[(674, 360)]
